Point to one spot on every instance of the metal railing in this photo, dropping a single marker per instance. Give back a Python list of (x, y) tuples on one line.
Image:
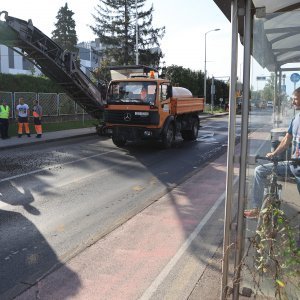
[(53, 104)]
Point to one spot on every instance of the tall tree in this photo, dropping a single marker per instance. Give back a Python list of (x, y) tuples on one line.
[(115, 25), (268, 91), (65, 33)]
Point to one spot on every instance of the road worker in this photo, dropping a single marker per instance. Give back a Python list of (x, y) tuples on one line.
[(4, 116), (37, 112), (144, 93), (22, 111)]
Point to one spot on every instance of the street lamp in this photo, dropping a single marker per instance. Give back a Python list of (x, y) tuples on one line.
[(217, 29), (136, 35)]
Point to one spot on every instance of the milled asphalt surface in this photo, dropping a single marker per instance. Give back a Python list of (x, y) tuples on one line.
[(91, 283)]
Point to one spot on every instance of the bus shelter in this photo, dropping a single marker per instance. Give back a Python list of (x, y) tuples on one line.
[(270, 34)]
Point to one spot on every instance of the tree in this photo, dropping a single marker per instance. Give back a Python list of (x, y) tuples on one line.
[(193, 80), (65, 34), (268, 91), (115, 25)]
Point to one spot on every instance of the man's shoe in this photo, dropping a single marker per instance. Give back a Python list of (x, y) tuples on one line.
[(19, 135), (251, 213), (38, 136), (28, 134)]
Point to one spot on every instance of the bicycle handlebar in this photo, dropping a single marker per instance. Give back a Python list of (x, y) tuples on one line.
[(277, 159)]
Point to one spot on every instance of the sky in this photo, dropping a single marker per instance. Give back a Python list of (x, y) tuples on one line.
[(186, 23)]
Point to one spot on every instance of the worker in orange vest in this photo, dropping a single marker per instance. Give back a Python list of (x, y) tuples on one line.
[(37, 112)]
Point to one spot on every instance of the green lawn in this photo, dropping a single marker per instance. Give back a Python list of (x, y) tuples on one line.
[(47, 127)]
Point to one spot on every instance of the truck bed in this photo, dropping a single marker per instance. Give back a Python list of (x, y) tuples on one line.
[(186, 105)]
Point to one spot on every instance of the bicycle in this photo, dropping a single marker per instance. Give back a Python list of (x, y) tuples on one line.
[(277, 253), (272, 194), (272, 198)]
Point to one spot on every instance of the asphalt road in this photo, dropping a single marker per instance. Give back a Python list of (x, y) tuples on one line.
[(58, 198)]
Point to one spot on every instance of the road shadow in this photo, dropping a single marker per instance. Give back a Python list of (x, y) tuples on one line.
[(24, 198), (25, 254), (28, 260)]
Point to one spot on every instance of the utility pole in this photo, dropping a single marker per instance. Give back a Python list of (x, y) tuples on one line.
[(204, 94), (136, 35)]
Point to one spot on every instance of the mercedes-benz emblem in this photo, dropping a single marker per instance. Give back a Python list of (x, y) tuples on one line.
[(127, 117)]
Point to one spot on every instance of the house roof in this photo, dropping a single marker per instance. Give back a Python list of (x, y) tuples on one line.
[(276, 35)]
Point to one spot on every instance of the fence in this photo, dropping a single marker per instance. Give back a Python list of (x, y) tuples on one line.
[(53, 104)]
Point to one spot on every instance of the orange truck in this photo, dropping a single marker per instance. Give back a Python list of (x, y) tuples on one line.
[(141, 106)]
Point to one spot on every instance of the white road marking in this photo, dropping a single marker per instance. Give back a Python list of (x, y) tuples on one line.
[(167, 269), (54, 166)]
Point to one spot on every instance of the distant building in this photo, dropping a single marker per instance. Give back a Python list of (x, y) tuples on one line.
[(90, 54), (12, 62)]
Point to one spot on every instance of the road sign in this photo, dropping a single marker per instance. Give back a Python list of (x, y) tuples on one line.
[(295, 77)]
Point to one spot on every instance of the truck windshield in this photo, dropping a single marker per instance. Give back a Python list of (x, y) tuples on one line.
[(135, 92)]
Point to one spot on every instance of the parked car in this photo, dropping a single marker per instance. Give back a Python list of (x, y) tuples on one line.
[(270, 104)]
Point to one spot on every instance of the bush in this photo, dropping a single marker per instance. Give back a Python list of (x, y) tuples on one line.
[(28, 83)]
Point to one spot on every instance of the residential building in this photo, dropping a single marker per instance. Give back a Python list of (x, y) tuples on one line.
[(12, 62)]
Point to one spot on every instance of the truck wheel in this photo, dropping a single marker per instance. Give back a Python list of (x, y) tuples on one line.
[(195, 129), (119, 141), (191, 135), (100, 129), (168, 136)]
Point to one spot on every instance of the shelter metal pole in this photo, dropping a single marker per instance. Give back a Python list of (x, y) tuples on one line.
[(231, 146), (136, 35), (276, 115), (212, 94), (240, 235), (280, 93)]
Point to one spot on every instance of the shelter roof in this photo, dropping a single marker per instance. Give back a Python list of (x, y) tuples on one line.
[(276, 32)]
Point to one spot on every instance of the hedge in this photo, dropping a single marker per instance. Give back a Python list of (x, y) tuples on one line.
[(28, 83)]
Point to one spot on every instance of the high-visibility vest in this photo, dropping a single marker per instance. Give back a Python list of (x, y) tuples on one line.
[(36, 111), (4, 112)]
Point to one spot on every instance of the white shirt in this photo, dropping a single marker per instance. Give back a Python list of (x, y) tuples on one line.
[(22, 110)]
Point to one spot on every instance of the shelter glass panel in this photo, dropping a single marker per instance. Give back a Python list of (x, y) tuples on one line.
[(274, 123)]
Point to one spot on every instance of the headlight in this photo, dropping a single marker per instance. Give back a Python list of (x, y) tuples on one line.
[(147, 133)]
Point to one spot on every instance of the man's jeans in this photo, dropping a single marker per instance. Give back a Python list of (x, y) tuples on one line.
[(260, 179)]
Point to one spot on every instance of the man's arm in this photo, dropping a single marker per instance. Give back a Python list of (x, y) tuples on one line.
[(40, 112), (284, 144), (28, 111)]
